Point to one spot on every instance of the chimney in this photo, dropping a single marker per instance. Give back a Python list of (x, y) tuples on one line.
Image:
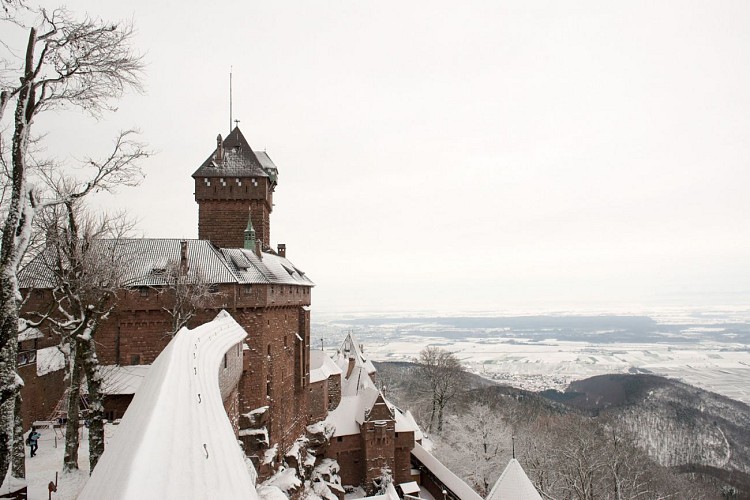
[(258, 249), (282, 250), (219, 149), (183, 257)]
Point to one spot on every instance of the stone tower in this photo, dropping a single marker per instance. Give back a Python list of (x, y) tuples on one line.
[(232, 182)]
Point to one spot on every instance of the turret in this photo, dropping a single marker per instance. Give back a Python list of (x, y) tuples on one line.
[(233, 181)]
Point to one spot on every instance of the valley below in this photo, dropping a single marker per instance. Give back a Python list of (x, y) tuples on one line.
[(707, 348)]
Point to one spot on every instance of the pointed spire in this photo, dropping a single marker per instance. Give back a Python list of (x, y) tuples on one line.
[(250, 233)]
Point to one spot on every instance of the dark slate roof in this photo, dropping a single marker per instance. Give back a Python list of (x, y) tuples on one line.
[(268, 165), (239, 160), (145, 261)]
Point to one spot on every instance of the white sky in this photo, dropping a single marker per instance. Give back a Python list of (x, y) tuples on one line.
[(460, 155)]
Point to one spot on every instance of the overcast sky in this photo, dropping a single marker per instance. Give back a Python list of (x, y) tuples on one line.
[(460, 155)]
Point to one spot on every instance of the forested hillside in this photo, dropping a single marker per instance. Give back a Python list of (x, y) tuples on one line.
[(624, 437)]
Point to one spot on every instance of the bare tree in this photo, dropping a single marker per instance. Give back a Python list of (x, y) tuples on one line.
[(85, 262), (184, 292), (445, 377), (476, 445), (84, 63)]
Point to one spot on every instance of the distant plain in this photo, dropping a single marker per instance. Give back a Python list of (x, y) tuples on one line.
[(708, 348)]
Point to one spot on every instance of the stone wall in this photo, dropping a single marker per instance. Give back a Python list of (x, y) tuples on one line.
[(224, 205), (318, 408), (347, 451), (40, 395)]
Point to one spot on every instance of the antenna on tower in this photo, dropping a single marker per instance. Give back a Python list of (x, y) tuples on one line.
[(230, 98)]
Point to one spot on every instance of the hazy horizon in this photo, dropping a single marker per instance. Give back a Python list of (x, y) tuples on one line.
[(441, 156)]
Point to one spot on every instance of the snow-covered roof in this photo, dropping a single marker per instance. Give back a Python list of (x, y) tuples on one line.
[(26, 332), (350, 350), (390, 494), (239, 160), (48, 360), (410, 488), (272, 268), (122, 379), (448, 478), (359, 393), (514, 484), (322, 366), (146, 262), (175, 440)]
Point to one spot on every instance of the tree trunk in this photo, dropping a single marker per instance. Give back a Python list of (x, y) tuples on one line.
[(18, 460), (96, 405), (70, 461), (9, 386), (432, 414), (441, 405), (17, 221)]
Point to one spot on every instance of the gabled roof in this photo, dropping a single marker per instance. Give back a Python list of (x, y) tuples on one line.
[(514, 484), (448, 478), (350, 350), (359, 393), (239, 160), (321, 366), (146, 262)]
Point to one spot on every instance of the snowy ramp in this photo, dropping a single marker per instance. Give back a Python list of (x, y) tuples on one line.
[(175, 440)]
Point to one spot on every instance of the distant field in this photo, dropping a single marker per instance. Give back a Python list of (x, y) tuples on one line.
[(708, 349)]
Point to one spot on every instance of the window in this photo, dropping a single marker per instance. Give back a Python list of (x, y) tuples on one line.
[(247, 289), (143, 291), (135, 359), (214, 288), (225, 360)]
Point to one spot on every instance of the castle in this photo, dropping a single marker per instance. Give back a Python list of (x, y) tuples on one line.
[(279, 393), (288, 405)]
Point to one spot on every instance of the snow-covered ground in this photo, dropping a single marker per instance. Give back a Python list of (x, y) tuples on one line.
[(41, 469), (708, 349)]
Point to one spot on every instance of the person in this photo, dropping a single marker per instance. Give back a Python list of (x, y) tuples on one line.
[(32, 440)]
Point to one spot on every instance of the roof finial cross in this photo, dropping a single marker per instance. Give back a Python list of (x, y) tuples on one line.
[(236, 123)]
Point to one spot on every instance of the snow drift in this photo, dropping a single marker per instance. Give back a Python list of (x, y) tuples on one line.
[(175, 440)]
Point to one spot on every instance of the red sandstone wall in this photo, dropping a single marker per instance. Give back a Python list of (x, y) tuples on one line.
[(347, 451), (402, 457), (40, 394), (270, 377), (318, 408), (224, 206), (115, 405)]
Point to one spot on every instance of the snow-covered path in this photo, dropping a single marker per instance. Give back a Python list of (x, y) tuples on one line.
[(176, 440)]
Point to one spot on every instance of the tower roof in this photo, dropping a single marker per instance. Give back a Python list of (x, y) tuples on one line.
[(236, 159), (513, 484)]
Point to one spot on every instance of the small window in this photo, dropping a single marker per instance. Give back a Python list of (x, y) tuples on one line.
[(225, 360), (135, 359), (143, 291), (248, 289), (269, 349), (339, 439), (214, 288)]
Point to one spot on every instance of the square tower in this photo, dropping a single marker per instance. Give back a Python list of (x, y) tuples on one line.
[(231, 184)]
